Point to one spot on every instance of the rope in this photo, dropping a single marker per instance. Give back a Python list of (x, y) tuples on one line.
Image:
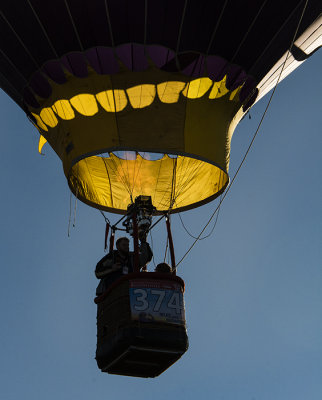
[(75, 208), (106, 219), (205, 237), (166, 250), (152, 249), (70, 214), (251, 143)]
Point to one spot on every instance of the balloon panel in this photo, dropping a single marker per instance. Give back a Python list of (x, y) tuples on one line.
[(170, 114), (164, 77), (112, 183)]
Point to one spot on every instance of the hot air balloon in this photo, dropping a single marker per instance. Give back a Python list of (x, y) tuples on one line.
[(141, 98)]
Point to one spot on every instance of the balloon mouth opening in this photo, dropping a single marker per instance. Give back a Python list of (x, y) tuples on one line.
[(176, 182)]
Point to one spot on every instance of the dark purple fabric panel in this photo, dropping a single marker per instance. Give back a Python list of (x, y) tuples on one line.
[(196, 68), (124, 53), (132, 56), (103, 60), (53, 69), (160, 55), (216, 67), (76, 64), (106, 61), (239, 79), (234, 77), (248, 87), (140, 62), (251, 100)]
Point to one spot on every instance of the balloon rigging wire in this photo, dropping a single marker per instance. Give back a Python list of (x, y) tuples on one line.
[(43, 30), (105, 217), (166, 250), (75, 207), (248, 30), (216, 28), (136, 174), (209, 234), (70, 213), (152, 248), (74, 26), (250, 145)]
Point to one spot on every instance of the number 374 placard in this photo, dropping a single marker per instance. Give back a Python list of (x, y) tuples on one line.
[(160, 301)]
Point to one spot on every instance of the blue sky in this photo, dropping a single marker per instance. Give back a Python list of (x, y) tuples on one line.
[(253, 289)]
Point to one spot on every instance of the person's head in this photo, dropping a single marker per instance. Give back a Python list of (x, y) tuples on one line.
[(122, 245), (163, 268)]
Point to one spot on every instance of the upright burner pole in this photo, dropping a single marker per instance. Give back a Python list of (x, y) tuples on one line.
[(112, 237), (136, 266), (173, 260)]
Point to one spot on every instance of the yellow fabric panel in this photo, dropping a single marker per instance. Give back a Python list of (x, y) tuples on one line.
[(40, 122), (41, 143), (63, 109), (141, 96), (150, 111), (112, 100), (113, 182), (211, 121), (87, 135), (219, 89), (48, 117), (197, 88), (169, 92), (85, 104)]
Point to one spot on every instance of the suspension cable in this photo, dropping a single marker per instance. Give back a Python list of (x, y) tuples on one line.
[(105, 217), (152, 249), (209, 234), (251, 143)]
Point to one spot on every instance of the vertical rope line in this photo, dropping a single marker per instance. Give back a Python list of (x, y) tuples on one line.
[(166, 250), (152, 248), (109, 24), (251, 143), (43, 29), (180, 32), (19, 40), (75, 208), (122, 176), (173, 186), (70, 213), (145, 22), (109, 180), (189, 176), (136, 174), (278, 31), (74, 26), (156, 184), (127, 169), (76, 197), (249, 29), (165, 192), (216, 28)]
